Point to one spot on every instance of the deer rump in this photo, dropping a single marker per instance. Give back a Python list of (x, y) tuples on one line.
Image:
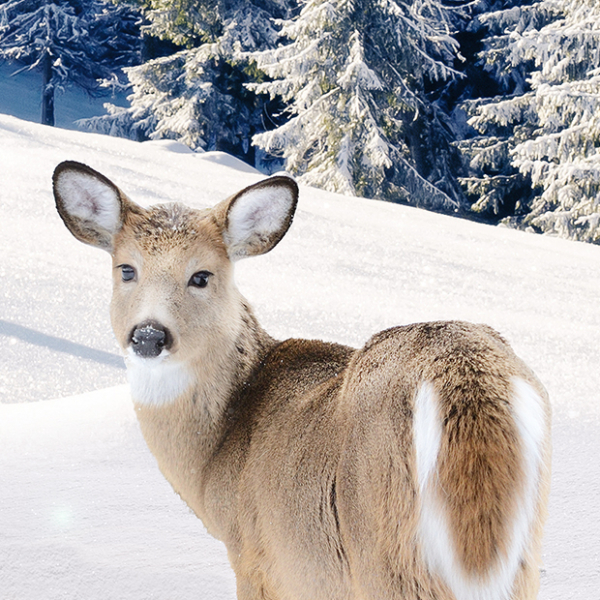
[(415, 468)]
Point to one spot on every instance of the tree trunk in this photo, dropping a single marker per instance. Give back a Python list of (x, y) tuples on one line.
[(47, 92)]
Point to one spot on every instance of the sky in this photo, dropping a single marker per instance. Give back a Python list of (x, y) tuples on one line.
[(85, 512)]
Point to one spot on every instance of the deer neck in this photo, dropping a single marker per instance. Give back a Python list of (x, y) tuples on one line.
[(184, 434)]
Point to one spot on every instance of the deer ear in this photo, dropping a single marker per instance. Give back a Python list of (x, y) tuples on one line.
[(91, 206), (258, 217)]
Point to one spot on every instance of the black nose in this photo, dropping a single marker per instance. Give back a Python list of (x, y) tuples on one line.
[(149, 339)]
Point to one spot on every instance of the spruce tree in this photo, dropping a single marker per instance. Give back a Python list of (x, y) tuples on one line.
[(69, 42), (547, 132), (494, 185), (355, 78), (197, 95)]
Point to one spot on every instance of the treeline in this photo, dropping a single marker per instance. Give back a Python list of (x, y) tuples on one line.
[(488, 109)]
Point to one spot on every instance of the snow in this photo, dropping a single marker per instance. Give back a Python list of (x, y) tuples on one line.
[(86, 513), (222, 158), (78, 521), (171, 146)]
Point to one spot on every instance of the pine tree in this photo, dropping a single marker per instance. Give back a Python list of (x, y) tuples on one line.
[(355, 77), (550, 126), (494, 184), (197, 95), (69, 41)]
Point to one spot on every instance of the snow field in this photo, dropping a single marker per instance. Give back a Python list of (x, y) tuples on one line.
[(85, 512)]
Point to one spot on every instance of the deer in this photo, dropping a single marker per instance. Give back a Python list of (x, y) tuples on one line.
[(414, 468)]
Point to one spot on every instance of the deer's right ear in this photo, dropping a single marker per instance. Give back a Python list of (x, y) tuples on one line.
[(91, 206)]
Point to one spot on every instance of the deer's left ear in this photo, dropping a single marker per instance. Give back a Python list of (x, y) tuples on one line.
[(91, 206), (255, 219)]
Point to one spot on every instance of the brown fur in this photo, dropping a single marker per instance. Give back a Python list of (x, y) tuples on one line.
[(300, 454)]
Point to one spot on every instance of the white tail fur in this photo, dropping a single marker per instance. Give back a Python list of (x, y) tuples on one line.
[(438, 547)]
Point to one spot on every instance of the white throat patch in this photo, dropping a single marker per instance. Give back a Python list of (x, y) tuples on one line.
[(156, 381)]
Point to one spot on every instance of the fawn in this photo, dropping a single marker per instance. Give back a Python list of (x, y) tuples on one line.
[(414, 468)]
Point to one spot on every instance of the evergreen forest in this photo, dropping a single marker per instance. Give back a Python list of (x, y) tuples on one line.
[(486, 109)]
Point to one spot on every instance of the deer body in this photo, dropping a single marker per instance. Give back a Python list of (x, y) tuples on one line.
[(415, 468)]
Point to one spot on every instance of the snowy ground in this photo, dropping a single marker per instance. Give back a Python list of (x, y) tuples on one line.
[(84, 512)]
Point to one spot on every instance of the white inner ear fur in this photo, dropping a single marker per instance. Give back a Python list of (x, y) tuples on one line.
[(88, 199), (258, 214)]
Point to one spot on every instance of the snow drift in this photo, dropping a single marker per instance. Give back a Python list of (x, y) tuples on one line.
[(85, 512)]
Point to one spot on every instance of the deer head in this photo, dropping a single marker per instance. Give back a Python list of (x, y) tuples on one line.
[(175, 307)]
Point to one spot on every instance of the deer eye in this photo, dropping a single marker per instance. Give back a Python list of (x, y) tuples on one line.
[(199, 279), (127, 272)]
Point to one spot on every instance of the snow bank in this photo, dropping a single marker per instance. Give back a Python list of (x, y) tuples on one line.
[(85, 512), (222, 158), (170, 146)]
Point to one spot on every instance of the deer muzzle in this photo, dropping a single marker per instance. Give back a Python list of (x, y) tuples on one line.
[(149, 339)]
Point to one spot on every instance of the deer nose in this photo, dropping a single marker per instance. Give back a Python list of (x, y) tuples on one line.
[(149, 339)]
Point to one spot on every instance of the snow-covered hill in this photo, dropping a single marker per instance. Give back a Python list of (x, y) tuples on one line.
[(84, 512)]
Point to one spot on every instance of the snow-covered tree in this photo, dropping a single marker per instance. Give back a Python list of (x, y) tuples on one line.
[(69, 41), (354, 77), (197, 95), (496, 187), (547, 133)]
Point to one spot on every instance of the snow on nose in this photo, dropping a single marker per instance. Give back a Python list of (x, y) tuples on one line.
[(149, 339)]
